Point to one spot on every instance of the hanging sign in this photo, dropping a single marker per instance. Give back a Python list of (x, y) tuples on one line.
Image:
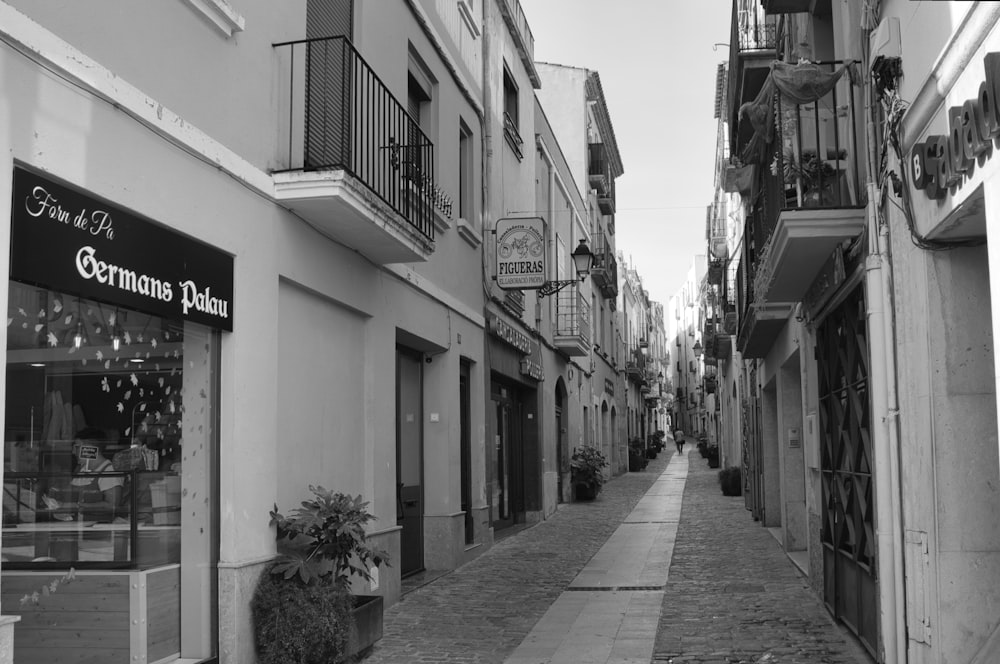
[(520, 253), (68, 241)]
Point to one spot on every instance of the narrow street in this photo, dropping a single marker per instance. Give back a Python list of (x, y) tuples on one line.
[(660, 568)]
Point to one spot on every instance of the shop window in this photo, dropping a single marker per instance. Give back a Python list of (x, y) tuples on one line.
[(111, 445), (109, 420)]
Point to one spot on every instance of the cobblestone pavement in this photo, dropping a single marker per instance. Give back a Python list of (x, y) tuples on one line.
[(482, 611), (732, 595)]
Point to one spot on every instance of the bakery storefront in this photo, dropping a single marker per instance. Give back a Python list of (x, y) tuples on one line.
[(110, 490)]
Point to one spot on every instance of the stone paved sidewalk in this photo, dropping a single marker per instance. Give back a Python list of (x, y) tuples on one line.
[(733, 596), (482, 611)]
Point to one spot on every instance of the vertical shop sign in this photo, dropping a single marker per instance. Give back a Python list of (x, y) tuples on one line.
[(520, 253)]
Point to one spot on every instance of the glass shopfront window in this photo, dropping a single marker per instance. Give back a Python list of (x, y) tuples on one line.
[(109, 421)]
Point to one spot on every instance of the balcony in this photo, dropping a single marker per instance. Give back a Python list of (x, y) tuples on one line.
[(814, 200), (607, 203), (810, 197), (753, 42), (520, 32), (599, 171), (357, 168), (635, 368), (571, 330), (716, 271), (605, 270)]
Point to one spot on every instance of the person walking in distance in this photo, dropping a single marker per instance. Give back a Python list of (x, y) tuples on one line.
[(679, 441)]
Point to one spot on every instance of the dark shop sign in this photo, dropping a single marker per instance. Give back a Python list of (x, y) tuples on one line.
[(68, 241), (941, 161), (506, 332)]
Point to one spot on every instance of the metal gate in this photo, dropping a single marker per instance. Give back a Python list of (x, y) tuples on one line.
[(848, 536), (753, 489)]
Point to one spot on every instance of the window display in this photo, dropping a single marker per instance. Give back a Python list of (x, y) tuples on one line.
[(99, 405)]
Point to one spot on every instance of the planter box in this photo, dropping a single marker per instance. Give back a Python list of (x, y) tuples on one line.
[(585, 491), (367, 628)]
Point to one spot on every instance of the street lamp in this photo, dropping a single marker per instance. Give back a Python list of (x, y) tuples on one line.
[(583, 262), (698, 350)]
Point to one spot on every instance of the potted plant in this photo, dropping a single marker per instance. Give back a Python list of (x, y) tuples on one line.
[(815, 176), (731, 481), (303, 608), (586, 472), (712, 455), (636, 456)]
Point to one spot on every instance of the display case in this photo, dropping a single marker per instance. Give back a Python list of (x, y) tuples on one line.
[(44, 525)]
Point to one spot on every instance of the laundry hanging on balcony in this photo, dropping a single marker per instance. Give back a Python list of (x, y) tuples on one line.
[(799, 84)]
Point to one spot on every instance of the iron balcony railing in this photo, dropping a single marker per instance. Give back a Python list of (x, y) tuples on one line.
[(512, 136), (815, 158), (573, 315), (599, 169), (752, 34), (605, 270), (340, 115), (752, 29)]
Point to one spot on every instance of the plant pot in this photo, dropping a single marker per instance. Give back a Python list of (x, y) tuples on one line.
[(367, 623), (650, 453), (713, 460), (585, 491)]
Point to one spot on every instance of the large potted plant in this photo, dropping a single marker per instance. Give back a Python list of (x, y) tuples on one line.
[(303, 608), (587, 472)]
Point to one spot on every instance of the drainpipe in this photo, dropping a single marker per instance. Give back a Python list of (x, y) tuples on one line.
[(884, 416)]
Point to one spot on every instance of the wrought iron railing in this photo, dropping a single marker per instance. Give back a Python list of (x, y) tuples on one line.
[(340, 115), (751, 33), (599, 170), (816, 162), (512, 135), (752, 29), (573, 315)]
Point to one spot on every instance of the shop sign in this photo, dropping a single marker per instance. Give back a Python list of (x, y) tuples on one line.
[(66, 240), (506, 332), (942, 161), (520, 253), (532, 369)]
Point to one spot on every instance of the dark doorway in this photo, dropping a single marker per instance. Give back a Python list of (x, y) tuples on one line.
[(465, 400), (409, 459), (507, 496), (848, 535)]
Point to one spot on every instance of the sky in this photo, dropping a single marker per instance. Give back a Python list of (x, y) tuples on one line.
[(658, 70)]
